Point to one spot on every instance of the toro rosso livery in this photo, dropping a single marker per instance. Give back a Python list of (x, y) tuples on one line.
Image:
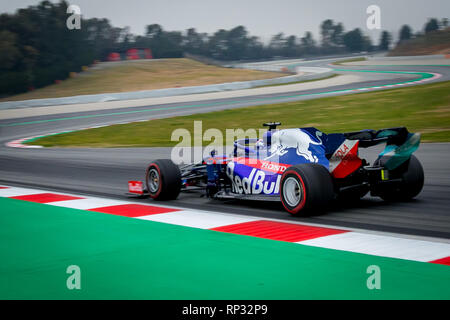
[(303, 168)]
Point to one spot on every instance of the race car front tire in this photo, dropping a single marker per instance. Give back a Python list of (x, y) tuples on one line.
[(306, 188), (163, 179)]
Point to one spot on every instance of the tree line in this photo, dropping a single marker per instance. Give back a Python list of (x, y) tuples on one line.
[(37, 48)]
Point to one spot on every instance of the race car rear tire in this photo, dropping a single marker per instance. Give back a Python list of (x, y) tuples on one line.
[(306, 188), (163, 179), (411, 184)]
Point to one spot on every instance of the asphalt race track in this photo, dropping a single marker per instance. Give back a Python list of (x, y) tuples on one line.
[(106, 171)]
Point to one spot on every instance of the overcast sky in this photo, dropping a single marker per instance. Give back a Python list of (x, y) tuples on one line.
[(262, 18)]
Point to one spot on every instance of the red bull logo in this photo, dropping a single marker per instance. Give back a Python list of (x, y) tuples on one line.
[(255, 182)]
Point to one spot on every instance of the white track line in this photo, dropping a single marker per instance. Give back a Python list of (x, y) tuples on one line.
[(198, 219), (16, 192), (385, 246), (88, 203)]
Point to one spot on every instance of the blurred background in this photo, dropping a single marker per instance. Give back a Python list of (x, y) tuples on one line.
[(37, 48)]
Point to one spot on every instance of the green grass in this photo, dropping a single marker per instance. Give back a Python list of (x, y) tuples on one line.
[(124, 258), (139, 75), (341, 62), (424, 109)]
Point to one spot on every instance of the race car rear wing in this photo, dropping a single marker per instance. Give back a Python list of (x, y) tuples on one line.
[(400, 144), (367, 138)]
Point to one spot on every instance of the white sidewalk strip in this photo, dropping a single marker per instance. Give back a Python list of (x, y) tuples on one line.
[(385, 246), (16, 191), (198, 219)]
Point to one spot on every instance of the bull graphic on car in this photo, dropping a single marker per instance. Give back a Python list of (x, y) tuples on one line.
[(297, 139)]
